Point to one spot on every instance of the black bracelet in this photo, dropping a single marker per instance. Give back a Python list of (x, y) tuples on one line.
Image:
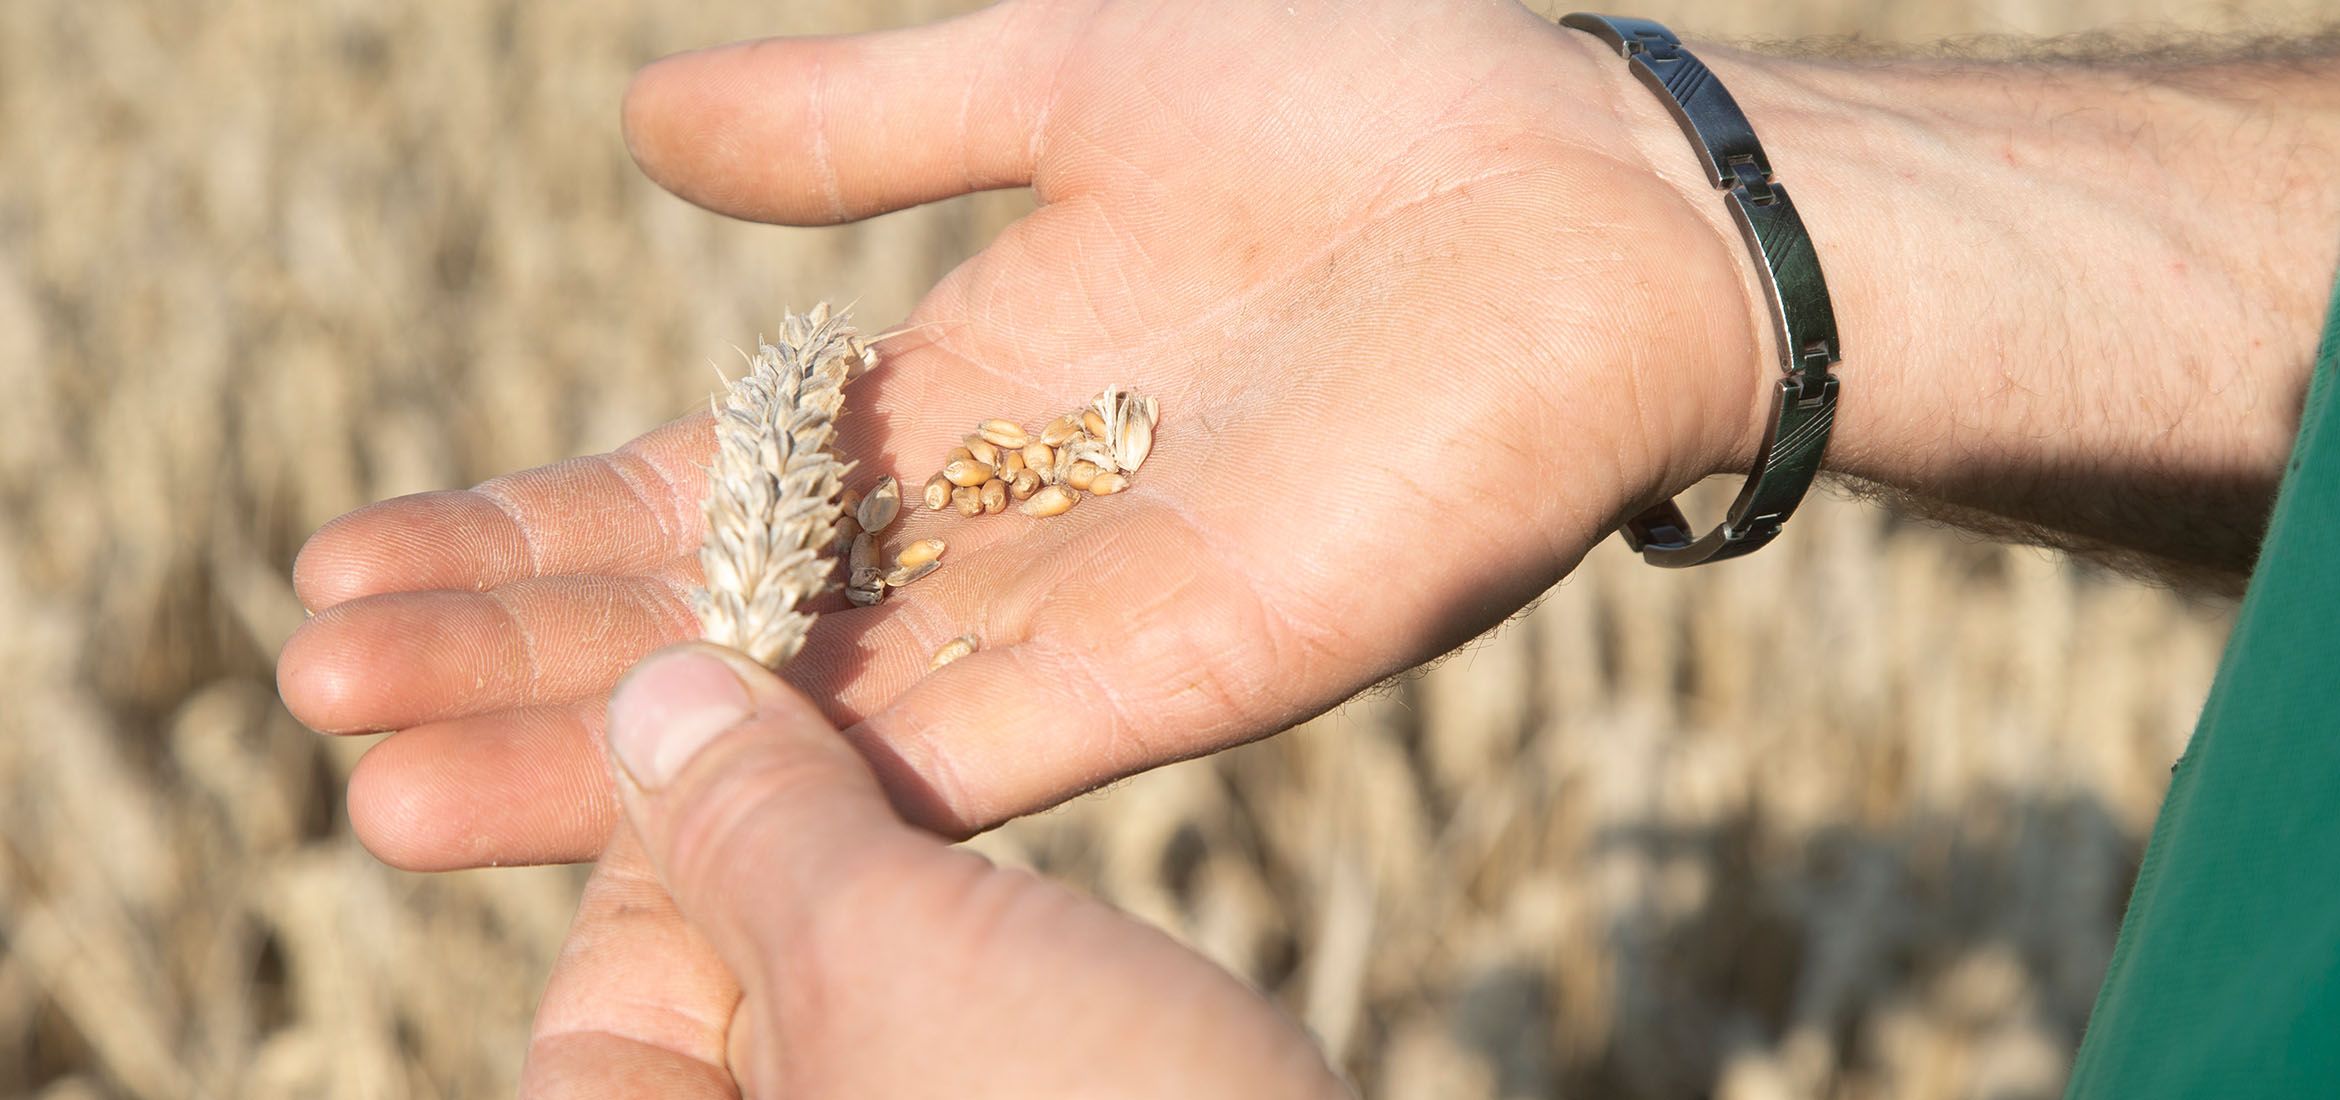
[(1804, 405)]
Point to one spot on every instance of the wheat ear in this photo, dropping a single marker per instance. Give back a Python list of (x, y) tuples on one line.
[(771, 502)]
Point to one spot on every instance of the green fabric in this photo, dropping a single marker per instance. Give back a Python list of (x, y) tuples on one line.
[(2226, 979)]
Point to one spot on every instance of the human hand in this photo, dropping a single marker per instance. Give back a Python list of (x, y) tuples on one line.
[(1422, 323), (872, 959)]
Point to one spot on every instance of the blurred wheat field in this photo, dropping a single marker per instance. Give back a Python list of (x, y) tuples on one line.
[(261, 263)]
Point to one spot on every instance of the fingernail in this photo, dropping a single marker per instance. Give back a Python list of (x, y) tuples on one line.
[(668, 708)]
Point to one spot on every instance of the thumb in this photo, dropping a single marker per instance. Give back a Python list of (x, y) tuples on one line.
[(753, 809), (811, 131)]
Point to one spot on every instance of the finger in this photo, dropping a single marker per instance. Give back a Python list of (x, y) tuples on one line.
[(777, 844), (530, 785), (637, 1004), (811, 131), (518, 788), (631, 510), (406, 658), (755, 812)]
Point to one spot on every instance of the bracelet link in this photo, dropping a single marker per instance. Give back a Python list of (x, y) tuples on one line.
[(1751, 183)]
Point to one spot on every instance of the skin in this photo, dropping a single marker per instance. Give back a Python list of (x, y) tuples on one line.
[(1451, 285), (872, 958)]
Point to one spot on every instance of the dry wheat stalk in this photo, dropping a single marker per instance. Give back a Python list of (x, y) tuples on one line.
[(772, 502)]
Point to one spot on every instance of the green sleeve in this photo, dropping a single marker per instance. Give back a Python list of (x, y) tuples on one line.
[(2226, 978)]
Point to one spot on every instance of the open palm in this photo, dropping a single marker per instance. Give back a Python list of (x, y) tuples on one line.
[(1377, 262), (1422, 321)]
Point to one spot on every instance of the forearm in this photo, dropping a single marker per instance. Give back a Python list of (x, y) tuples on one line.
[(2081, 297)]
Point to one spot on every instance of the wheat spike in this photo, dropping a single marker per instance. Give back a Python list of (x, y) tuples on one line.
[(772, 493)]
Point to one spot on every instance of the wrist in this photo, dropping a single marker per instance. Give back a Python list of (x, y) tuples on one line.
[(1648, 363), (2081, 297), (1761, 378), (2084, 298), (1722, 366)]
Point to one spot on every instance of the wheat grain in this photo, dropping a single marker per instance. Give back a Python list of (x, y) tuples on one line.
[(1088, 450), (1040, 457), (908, 573), (1060, 429), (952, 650), (772, 493), (966, 472), (920, 552), (1054, 500), (1006, 434), (884, 502)]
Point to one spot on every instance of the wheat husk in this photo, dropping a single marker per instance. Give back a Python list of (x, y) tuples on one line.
[(772, 494)]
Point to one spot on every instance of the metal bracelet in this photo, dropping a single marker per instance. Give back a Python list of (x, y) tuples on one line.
[(1803, 405)]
